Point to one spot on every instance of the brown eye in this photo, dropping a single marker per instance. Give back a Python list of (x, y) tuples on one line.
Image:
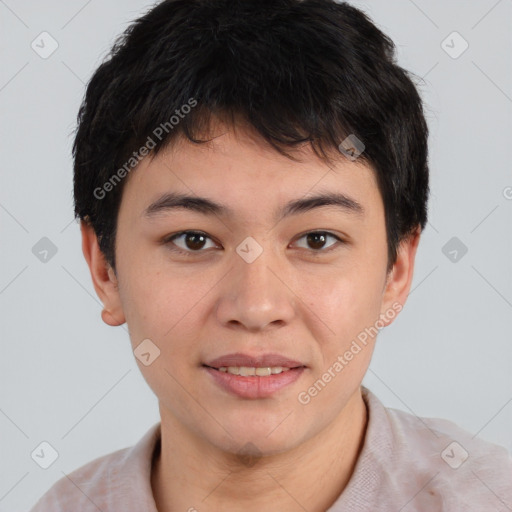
[(190, 241), (316, 240), (194, 241)]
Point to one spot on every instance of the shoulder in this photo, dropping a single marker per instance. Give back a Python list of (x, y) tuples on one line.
[(458, 446), (442, 459), (85, 487), (103, 482)]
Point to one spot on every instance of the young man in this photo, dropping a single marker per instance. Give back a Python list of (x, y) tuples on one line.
[(251, 179)]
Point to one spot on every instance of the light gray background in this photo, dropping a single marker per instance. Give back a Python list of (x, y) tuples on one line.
[(68, 379)]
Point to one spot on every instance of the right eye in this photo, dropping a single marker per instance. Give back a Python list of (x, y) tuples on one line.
[(193, 242)]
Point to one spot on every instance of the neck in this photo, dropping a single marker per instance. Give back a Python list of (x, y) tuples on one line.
[(189, 474)]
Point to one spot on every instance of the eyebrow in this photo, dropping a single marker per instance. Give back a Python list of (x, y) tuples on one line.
[(172, 201)]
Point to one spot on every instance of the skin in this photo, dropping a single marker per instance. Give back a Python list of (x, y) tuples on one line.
[(293, 300)]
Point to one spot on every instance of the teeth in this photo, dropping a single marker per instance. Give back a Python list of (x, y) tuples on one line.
[(278, 369), (246, 371)]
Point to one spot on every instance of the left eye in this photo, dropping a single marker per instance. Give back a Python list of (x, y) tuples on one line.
[(318, 240), (195, 241)]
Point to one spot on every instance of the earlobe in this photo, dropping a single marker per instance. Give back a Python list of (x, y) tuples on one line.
[(109, 318), (399, 279), (103, 277)]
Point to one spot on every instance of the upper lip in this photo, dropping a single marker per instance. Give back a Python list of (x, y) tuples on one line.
[(264, 360)]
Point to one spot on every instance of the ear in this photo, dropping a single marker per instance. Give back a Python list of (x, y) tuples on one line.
[(399, 279), (103, 276)]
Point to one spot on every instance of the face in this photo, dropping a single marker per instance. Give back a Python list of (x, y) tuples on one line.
[(253, 286)]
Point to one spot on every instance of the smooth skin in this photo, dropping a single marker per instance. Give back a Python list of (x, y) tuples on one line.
[(299, 298)]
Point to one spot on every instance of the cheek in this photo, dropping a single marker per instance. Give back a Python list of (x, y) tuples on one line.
[(163, 309), (157, 305), (346, 301), (348, 304)]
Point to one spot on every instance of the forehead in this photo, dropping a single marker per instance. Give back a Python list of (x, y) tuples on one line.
[(238, 168)]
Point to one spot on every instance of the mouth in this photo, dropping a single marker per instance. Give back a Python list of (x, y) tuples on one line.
[(254, 377), (249, 371)]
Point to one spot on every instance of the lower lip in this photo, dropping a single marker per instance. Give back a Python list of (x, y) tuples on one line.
[(254, 386)]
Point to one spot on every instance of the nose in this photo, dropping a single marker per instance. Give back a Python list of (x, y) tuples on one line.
[(257, 295)]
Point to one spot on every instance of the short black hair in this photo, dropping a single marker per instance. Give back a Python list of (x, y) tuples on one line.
[(297, 71)]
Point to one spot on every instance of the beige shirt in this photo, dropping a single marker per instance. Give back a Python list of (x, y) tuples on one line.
[(407, 464)]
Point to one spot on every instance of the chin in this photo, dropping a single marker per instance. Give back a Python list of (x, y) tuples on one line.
[(257, 440), (253, 448)]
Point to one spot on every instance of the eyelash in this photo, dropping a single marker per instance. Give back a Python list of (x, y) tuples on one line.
[(190, 253)]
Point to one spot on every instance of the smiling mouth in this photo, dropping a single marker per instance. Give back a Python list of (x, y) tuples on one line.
[(261, 380), (252, 371)]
